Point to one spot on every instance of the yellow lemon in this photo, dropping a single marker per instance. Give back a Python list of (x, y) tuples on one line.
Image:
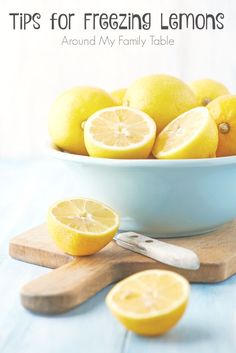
[(149, 302), (119, 132), (70, 111), (223, 111), (81, 226), (206, 90), (192, 135), (162, 97), (118, 95)]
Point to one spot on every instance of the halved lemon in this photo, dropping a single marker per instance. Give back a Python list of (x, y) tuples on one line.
[(192, 135), (149, 302), (81, 226), (119, 132)]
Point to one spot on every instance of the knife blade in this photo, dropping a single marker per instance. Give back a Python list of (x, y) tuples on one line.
[(166, 253)]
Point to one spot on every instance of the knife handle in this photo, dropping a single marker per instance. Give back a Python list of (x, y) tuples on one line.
[(164, 252)]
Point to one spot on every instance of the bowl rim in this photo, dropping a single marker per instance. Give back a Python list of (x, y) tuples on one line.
[(149, 163)]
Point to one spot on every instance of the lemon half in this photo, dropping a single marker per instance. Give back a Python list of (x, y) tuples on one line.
[(149, 302), (119, 132), (192, 135), (81, 226)]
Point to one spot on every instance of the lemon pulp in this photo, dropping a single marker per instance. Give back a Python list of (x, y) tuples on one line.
[(119, 132), (192, 135)]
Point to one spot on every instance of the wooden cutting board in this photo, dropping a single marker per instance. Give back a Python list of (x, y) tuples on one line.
[(75, 279)]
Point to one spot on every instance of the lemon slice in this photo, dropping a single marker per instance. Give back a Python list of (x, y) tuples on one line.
[(119, 132), (149, 302), (81, 226), (192, 135)]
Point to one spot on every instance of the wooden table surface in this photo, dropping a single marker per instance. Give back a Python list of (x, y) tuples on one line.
[(27, 188)]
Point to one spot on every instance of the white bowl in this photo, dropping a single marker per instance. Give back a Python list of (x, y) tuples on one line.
[(163, 198)]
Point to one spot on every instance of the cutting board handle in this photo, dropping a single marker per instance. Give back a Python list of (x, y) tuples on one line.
[(68, 286), (72, 284)]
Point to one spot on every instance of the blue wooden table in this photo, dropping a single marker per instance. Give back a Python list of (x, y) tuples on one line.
[(27, 188)]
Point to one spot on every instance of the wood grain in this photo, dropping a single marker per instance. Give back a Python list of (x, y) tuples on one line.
[(77, 279)]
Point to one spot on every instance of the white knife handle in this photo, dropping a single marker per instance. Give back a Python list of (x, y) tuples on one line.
[(169, 254)]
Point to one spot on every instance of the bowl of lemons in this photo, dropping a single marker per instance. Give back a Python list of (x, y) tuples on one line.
[(161, 153)]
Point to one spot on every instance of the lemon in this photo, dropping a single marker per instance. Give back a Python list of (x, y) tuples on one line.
[(119, 132), (223, 111), (206, 90), (162, 97), (149, 302), (192, 135), (70, 111), (118, 95), (81, 226)]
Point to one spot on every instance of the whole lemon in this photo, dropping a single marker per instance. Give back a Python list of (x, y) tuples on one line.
[(223, 111), (69, 113), (163, 97), (206, 90), (118, 95)]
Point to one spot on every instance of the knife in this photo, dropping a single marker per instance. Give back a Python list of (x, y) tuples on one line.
[(166, 253)]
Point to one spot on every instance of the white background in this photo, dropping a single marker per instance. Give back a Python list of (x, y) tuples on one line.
[(35, 68)]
